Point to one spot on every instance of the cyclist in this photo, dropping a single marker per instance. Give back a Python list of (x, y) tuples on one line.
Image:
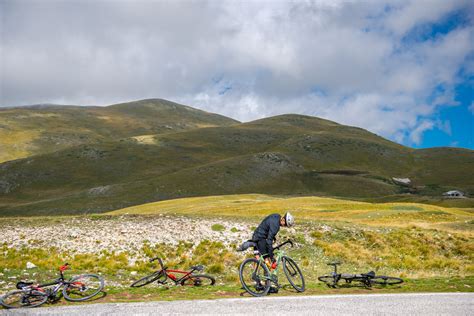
[(265, 234), (263, 238)]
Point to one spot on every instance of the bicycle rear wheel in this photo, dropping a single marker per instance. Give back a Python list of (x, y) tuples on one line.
[(155, 276), (255, 277), (385, 280), (293, 274), (198, 280), (83, 287), (21, 299), (330, 280)]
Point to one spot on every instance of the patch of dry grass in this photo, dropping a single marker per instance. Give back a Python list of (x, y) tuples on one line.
[(15, 144)]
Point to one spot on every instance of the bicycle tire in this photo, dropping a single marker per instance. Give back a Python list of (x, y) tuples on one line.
[(78, 285), (260, 273), (385, 280), (24, 300), (330, 280), (199, 280), (291, 269), (149, 279)]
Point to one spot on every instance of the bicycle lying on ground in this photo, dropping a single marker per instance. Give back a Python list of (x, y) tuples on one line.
[(77, 289), (256, 277), (367, 279), (189, 278)]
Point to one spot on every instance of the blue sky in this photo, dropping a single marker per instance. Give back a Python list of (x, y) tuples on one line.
[(402, 69), (460, 116)]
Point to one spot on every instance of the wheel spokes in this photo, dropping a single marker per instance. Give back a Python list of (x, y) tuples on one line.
[(293, 274), (199, 280), (28, 298), (253, 277), (83, 286)]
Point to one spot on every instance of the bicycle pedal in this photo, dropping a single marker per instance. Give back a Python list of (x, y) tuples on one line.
[(259, 287), (273, 290)]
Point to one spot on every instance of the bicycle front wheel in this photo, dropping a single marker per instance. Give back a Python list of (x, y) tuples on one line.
[(159, 276), (255, 277), (83, 287), (385, 280), (293, 274), (330, 280), (199, 280), (20, 299)]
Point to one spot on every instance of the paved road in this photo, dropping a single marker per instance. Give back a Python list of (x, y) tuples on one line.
[(373, 304)]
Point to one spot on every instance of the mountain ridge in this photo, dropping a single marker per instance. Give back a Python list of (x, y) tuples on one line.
[(26, 131), (292, 154)]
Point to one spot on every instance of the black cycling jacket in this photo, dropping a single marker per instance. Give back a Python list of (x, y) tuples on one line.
[(267, 230)]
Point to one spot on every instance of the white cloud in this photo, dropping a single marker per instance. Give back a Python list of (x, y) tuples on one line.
[(417, 133), (444, 126), (404, 15), (345, 61), (471, 108)]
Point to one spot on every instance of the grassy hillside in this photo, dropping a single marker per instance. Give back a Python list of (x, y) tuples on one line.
[(283, 155), (27, 131)]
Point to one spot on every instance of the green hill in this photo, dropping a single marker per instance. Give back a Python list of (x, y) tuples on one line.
[(27, 131), (283, 155)]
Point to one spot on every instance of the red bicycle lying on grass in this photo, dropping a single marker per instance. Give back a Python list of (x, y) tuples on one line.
[(188, 278), (77, 289)]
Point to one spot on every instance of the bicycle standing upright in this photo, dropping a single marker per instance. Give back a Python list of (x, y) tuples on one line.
[(256, 277)]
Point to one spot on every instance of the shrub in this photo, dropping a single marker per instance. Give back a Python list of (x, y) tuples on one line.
[(218, 227), (216, 268)]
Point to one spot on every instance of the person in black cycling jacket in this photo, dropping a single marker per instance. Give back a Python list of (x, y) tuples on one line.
[(266, 233)]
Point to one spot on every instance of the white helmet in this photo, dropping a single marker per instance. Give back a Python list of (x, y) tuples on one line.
[(289, 219)]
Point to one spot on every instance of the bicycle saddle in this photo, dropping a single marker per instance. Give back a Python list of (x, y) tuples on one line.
[(336, 263), (370, 274), (22, 284), (199, 267)]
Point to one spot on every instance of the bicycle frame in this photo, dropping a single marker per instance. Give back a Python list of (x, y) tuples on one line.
[(278, 254), (169, 272), (59, 283), (174, 278), (363, 278)]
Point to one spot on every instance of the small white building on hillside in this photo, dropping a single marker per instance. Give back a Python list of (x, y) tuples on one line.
[(454, 194), (402, 181)]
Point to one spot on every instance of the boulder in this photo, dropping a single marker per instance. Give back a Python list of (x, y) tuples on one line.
[(30, 265)]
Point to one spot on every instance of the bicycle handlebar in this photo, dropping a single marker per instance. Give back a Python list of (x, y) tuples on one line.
[(159, 260), (281, 245)]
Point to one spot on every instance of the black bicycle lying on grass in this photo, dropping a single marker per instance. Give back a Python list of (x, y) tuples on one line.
[(367, 279), (189, 278), (77, 289)]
